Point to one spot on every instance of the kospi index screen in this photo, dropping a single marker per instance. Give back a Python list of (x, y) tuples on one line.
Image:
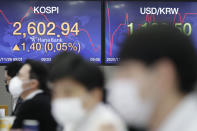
[(123, 17), (41, 29)]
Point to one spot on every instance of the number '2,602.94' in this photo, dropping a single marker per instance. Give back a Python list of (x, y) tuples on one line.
[(46, 29)]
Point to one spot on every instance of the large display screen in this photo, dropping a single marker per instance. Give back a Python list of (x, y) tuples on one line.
[(41, 29), (123, 17)]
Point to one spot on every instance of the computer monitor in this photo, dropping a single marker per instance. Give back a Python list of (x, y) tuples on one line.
[(123, 17), (41, 29)]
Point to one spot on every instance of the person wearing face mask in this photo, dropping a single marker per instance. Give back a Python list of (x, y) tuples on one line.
[(30, 84), (77, 88), (155, 87), (11, 71)]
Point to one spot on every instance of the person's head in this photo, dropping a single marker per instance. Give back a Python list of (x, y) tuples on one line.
[(32, 76), (77, 86), (159, 63), (11, 71)]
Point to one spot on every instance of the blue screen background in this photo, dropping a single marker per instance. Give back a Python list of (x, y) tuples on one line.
[(118, 20), (86, 13)]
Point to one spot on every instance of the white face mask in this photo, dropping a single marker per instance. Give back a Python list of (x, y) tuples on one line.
[(15, 87), (68, 110), (124, 96)]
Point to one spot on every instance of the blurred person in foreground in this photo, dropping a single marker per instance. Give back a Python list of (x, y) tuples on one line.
[(78, 92), (155, 86), (31, 86), (11, 71)]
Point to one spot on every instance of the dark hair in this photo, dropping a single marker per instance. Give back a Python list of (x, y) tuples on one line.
[(13, 68), (67, 65), (60, 57), (164, 41), (39, 71)]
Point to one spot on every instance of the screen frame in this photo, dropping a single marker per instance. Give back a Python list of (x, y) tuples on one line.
[(116, 64), (155, 0), (102, 29), (103, 37)]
